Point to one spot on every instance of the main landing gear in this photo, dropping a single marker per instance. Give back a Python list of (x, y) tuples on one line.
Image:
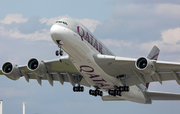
[(120, 89), (60, 51), (78, 88), (96, 92)]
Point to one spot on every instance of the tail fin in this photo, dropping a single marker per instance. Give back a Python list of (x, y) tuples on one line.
[(153, 55), (162, 96)]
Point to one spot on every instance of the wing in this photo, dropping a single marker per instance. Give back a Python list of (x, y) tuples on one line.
[(52, 70), (116, 66)]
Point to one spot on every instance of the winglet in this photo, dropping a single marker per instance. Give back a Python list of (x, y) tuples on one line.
[(153, 55)]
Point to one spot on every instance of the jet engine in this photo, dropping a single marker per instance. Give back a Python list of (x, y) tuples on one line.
[(11, 71), (37, 67), (145, 65)]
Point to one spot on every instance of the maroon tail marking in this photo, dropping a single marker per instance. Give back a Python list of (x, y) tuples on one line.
[(154, 56)]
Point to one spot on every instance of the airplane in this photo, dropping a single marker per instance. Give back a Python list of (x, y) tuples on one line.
[(90, 63)]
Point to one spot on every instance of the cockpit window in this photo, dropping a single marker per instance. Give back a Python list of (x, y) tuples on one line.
[(61, 22), (58, 21), (65, 23)]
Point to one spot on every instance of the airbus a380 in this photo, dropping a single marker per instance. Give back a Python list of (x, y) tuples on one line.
[(91, 63)]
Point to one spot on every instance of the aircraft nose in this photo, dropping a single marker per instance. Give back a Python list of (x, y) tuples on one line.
[(56, 31)]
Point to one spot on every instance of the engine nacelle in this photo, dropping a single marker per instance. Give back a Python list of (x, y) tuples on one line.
[(145, 66), (37, 67), (11, 71)]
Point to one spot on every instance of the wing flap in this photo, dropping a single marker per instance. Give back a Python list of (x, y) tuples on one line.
[(162, 96), (55, 78)]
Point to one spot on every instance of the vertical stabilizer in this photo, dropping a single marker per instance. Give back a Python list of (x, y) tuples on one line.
[(153, 55)]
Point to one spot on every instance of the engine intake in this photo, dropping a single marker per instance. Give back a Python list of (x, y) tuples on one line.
[(37, 67), (11, 71), (33, 64), (145, 65), (141, 63)]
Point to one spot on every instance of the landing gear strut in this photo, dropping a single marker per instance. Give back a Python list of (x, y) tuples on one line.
[(60, 51), (120, 89), (78, 88)]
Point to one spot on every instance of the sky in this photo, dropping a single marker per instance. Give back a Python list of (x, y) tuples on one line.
[(130, 28)]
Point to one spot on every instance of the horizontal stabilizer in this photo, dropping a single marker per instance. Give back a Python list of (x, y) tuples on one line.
[(111, 98), (162, 96)]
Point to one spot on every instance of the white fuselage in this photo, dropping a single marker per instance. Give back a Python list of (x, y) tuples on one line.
[(81, 45)]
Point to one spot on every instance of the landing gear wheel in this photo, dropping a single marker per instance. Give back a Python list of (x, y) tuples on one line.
[(78, 89), (90, 92), (121, 88), (115, 92), (110, 92), (81, 89), (126, 88), (61, 53), (101, 93), (95, 92), (119, 93), (57, 53)]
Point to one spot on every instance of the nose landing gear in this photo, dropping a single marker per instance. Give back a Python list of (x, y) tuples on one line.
[(60, 51)]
